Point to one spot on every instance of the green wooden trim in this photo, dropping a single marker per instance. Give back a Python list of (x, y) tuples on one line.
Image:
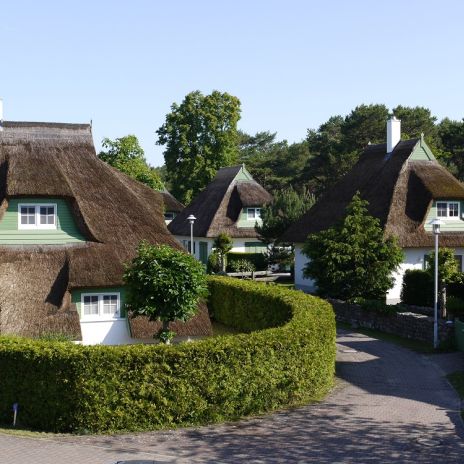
[(66, 230), (76, 296), (422, 152), (243, 174)]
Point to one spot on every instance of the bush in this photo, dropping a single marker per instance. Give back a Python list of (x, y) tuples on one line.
[(257, 259), (213, 266), (64, 387), (455, 307), (417, 288), (242, 265), (381, 307)]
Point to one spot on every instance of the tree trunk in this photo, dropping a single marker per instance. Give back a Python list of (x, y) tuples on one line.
[(166, 329)]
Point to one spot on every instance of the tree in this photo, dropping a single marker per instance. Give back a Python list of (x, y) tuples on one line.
[(352, 259), (126, 155), (448, 272), (222, 244), (286, 208), (200, 136), (451, 137), (164, 284)]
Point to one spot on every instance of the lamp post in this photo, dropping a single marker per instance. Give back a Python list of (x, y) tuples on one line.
[(436, 223), (191, 219)]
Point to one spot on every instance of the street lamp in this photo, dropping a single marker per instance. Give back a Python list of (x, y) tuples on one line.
[(191, 219), (436, 223)]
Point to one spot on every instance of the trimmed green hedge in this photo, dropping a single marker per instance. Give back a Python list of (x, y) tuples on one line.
[(65, 387), (257, 259)]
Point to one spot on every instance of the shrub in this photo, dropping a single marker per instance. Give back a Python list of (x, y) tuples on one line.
[(64, 387), (455, 307), (242, 265), (380, 307), (213, 266), (257, 259), (417, 288)]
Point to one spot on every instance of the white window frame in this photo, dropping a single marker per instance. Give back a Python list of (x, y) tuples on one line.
[(101, 316), (255, 217), (448, 203), (37, 225)]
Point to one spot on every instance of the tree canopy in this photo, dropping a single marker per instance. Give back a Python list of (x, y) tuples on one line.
[(164, 284), (352, 259), (126, 155), (200, 136)]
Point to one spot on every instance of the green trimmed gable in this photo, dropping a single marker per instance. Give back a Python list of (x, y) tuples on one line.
[(66, 229), (243, 174), (451, 224), (243, 220), (422, 152)]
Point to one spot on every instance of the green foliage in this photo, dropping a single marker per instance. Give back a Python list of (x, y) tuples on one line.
[(55, 337), (223, 243), (126, 155), (65, 387), (200, 136), (242, 265), (164, 283), (455, 306), (417, 288), (213, 266), (381, 307), (451, 139), (352, 258), (286, 208), (258, 260), (447, 266)]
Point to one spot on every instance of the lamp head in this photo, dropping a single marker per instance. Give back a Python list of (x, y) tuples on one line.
[(191, 219), (436, 223)]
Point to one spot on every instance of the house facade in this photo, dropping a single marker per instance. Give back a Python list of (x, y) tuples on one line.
[(406, 188), (68, 223), (232, 204)]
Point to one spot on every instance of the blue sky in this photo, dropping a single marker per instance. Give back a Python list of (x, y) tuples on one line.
[(292, 63)]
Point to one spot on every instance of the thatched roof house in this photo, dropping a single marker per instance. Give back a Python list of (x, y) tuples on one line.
[(230, 204), (68, 222), (404, 187)]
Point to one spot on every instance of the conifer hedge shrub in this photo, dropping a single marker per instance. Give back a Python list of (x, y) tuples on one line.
[(65, 387)]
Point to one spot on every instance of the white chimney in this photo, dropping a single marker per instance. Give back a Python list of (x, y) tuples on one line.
[(393, 133)]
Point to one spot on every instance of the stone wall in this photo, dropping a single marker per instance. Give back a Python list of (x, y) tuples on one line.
[(404, 324)]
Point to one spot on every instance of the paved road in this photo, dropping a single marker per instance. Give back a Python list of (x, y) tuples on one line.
[(391, 405)]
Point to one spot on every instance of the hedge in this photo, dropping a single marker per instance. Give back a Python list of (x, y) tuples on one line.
[(257, 259), (417, 288), (64, 387)]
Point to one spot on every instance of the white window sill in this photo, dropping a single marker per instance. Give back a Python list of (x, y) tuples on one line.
[(100, 319)]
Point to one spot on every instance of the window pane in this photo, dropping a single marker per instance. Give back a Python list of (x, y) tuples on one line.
[(91, 305), (453, 210), (28, 215), (47, 215), (110, 304), (251, 213), (441, 209)]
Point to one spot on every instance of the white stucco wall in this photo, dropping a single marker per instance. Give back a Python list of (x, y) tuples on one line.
[(413, 259), (302, 283), (115, 332)]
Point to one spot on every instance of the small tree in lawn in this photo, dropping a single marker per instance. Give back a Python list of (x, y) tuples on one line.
[(448, 272), (164, 284), (223, 244), (352, 259)]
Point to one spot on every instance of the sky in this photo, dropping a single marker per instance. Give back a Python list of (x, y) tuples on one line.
[(292, 64)]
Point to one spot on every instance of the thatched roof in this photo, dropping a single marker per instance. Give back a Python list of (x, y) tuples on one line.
[(399, 190), (112, 211), (171, 204), (218, 207)]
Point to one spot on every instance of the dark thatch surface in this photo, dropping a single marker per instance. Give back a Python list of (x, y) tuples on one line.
[(218, 207), (171, 204), (200, 325), (399, 191), (112, 211)]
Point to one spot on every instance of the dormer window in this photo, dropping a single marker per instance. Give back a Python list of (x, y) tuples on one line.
[(37, 216), (253, 214), (448, 209)]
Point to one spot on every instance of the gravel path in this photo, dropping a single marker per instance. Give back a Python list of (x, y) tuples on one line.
[(390, 405)]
